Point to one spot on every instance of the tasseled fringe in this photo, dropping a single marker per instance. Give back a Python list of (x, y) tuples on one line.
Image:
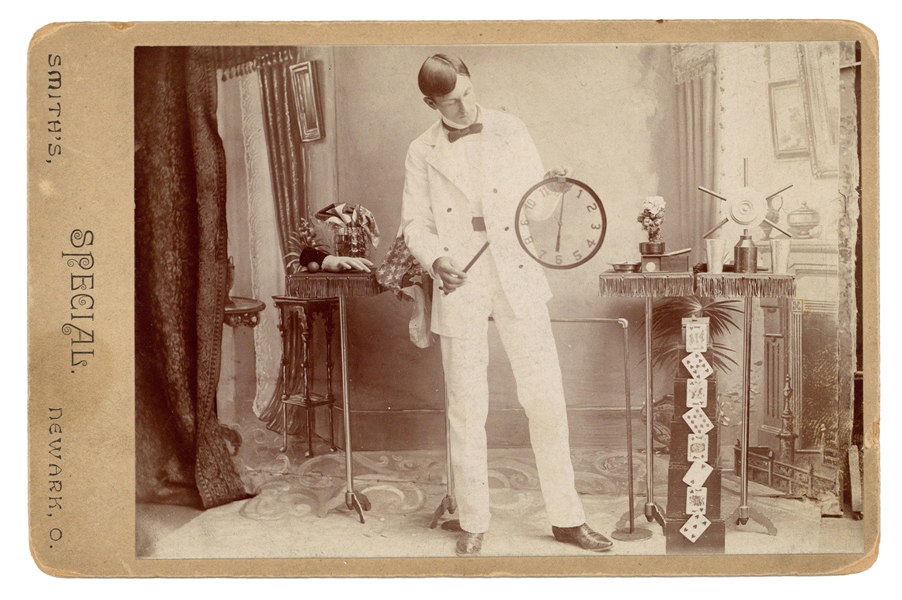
[(329, 285), (641, 285), (738, 285)]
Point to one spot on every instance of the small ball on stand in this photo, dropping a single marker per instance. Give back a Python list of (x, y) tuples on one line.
[(313, 267)]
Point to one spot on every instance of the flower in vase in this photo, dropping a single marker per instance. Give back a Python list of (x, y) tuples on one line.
[(652, 217)]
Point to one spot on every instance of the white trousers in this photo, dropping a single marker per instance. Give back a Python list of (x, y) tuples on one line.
[(530, 346)]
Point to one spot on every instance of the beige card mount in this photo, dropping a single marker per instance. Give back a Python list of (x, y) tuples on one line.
[(204, 403)]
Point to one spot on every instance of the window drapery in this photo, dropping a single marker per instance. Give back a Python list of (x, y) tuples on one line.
[(694, 76)]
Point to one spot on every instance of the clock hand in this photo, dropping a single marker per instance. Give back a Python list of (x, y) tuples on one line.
[(560, 222)]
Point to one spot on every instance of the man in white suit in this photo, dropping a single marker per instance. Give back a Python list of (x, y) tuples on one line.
[(465, 177)]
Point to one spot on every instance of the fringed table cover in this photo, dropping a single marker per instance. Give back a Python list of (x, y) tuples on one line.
[(333, 285), (645, 285), (752, 285)]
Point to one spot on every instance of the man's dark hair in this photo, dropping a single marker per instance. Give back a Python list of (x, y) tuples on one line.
[(438, 75)]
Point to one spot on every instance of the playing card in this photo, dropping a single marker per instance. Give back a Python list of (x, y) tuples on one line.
[(696, 499), (697, 337), (698, 421), (697, 366), (696, 393), (697, 474), (695, 527), (697, 448)]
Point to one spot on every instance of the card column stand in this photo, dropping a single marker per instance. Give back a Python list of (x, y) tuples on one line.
[(746, 286), (712, 541), (337, 288), (648, 286)]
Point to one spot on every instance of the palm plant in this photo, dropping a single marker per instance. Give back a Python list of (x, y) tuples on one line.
[(667, 322)]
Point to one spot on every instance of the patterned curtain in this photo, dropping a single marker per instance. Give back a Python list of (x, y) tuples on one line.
[(181, 269), (283, 142), (694, 75)]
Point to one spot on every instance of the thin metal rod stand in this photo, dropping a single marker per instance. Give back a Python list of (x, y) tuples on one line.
[(631, 534), (353, 500), (448, 503), (651, 509)]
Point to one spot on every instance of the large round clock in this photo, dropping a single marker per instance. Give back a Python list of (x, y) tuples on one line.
[(561, 223)]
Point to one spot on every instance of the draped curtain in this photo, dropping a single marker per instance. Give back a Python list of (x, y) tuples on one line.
[(287, 169), (272, 150), (181, 269), (694, 76)]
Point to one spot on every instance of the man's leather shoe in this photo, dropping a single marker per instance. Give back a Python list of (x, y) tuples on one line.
[(583, 537), (469, 544)]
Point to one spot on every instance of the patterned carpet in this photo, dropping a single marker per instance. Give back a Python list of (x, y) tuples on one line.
[(299, 511)]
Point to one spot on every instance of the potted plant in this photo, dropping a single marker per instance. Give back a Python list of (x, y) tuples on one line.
[(651, 218), (668, 348), (667, 324)]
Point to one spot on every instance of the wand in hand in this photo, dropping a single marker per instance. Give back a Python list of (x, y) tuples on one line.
[(469, 264)]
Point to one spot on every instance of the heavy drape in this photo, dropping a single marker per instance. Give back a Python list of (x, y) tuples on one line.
[(181, 268), (694, 75)]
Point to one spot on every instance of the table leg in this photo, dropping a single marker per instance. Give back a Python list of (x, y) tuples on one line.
[(353, 500), (651, 510), (283, 380), (744, 512)]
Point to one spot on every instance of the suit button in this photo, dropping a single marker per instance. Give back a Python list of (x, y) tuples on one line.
[(507, 229), (495, 190), (446, 249), (521, 266), (449, 210)]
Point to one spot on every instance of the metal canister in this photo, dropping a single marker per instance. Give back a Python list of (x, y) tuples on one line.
[(745, 254)]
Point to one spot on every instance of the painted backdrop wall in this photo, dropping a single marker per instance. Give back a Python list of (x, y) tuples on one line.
[(605, 111)]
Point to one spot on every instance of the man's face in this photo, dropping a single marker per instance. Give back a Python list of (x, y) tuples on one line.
[(459, 105)]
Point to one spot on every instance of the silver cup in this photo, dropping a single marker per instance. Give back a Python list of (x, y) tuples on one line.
[(779, 255), (715, 249)]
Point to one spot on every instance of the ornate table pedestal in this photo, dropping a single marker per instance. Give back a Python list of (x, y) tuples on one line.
[(239, 312)]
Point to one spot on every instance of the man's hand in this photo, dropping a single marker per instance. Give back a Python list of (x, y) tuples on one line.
[(449, 272), (337, 264), (559, 172), (557, 188)]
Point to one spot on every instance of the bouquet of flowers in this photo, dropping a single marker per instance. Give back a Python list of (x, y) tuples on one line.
[(652, 216)]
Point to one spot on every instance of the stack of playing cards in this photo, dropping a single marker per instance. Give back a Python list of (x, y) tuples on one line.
[(696, 500)]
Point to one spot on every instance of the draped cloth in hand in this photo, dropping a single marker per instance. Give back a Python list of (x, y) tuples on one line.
[(181, 268)]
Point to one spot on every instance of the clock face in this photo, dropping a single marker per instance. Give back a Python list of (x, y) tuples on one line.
[(561, 223)]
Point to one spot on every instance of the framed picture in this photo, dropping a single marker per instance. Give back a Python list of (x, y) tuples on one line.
[(303, 80), (819, 78), (788, 121)]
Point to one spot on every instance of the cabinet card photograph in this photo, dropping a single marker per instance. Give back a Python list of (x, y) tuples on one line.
[(405, 299)]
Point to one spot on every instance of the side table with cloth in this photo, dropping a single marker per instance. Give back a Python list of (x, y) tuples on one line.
[(321, 289)]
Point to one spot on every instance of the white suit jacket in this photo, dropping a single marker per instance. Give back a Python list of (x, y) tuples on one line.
[(437, 219)]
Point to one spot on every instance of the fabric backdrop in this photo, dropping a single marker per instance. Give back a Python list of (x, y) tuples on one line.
[(181, 269)]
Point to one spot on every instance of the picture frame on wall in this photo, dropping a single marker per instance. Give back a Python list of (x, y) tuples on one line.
[(304, 84), (789, 125)]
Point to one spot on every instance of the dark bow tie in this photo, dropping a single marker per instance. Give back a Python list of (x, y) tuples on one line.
[(456, 134)]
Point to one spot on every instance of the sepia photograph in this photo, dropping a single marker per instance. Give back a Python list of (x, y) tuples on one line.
[(497, 300)]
